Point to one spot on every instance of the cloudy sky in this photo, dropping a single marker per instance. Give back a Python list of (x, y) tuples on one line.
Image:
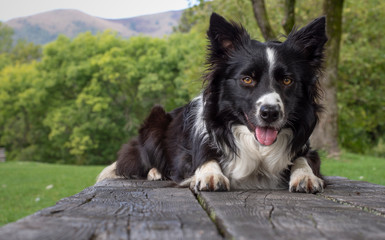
[(101, 8)]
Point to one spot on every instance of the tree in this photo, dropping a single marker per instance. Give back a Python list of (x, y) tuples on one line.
[(289, 18), (361, 83), (6, 34), (87, 96), (262, 18), (24, 52), (20, 109), (325, 135)]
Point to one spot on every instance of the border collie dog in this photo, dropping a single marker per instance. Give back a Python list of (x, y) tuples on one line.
[(250, 126)]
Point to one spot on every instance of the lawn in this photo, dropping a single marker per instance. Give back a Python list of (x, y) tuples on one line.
[(26, 187), (356, 167)]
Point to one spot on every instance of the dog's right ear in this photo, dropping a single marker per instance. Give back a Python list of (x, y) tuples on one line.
[(310, 41), (224, 37)]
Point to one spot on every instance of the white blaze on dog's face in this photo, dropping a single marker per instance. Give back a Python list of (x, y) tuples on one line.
[(269, 108), (271, 58)]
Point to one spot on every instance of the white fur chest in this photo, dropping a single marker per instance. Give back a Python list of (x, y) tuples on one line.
[(257, 166)]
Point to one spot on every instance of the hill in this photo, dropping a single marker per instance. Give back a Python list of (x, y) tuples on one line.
[(45, 27)]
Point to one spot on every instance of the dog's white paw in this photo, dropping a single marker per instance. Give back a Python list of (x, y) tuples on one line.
[(154, 175), (308, 183), (211, 182), (209, 177), (302, 178)]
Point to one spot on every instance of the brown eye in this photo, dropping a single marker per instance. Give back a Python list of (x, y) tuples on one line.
[(247, 80), (287, 81)]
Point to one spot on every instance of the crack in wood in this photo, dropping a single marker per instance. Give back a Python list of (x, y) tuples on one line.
[(56, 211), (181, 221), (245, 199), (351, 204), (270, 211), (87, 200), (271, 217), (211, 213), (315, 223)]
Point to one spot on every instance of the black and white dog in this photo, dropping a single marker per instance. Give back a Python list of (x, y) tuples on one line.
[(250, 126)]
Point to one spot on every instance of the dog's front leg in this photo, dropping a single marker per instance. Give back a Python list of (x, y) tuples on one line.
[(209, 177), (302, 178)]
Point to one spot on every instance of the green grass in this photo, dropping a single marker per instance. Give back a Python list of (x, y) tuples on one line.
[(26, 187), (356, 167)]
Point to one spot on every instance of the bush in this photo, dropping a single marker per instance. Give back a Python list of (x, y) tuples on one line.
[(87, 96), (361, 87)]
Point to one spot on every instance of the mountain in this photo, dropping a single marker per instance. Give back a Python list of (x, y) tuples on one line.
[(45, 27)]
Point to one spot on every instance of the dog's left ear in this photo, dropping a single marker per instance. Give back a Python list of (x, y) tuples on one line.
[(310, 40), (225, 37)]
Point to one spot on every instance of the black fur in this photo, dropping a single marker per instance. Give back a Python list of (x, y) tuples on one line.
[(172, 142)]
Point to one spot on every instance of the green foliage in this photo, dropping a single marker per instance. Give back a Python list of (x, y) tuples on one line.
[(88, 95), (241, 11), (6, 34), (24, 52), (19, 106), (362, 78)]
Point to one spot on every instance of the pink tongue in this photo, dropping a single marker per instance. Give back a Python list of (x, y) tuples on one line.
[(265, 135)]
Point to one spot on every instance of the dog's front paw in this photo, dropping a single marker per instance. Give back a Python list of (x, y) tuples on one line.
[(211, 182), (302, 178), (209, 177), (154, 175), (306, 182)]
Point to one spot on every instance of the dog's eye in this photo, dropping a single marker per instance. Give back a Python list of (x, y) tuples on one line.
[(287, 81), (247, 80)]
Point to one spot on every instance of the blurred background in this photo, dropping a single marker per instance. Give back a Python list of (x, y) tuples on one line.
[(77, 79)]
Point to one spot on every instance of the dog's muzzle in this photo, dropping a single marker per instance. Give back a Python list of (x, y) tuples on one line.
[(269, 113)]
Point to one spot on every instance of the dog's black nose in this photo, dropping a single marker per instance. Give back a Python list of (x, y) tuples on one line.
[(269, 113)]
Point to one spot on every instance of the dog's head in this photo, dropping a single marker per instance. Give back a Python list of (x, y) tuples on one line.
[(265, 86)]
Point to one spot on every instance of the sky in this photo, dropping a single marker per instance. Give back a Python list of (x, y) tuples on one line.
[(109, 9)]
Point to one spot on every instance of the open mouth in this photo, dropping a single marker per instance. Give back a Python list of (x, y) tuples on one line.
[(266, 135)]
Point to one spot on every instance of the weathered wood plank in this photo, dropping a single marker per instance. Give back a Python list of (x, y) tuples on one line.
[(119, 209), (127, 209), (357, 193), (124, 183), (257, 214)]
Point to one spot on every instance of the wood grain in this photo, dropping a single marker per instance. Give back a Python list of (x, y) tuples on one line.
[(254, 214), (368, 196), (133, 209), (119, 209)]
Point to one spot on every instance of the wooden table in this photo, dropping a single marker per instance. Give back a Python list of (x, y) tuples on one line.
[(130, 209)]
